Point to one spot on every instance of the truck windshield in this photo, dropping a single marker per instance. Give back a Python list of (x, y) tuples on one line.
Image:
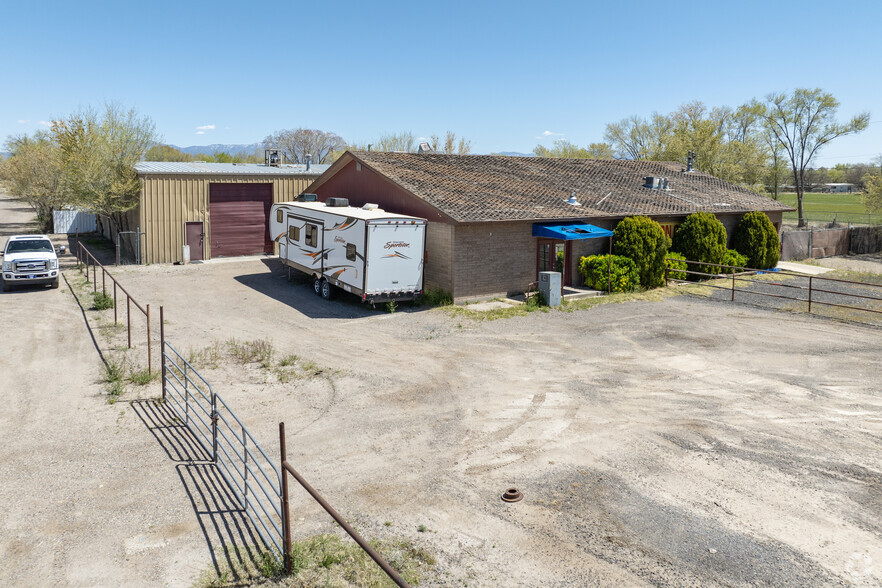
[(29, 246)]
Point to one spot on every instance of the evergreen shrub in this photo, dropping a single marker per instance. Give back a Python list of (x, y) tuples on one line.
[(733, 258), (676, 261), (756, 237), (701, 237), (596, 271), (643, 241)]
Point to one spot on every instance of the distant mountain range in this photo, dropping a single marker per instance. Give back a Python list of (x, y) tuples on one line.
[(515, 154), (219, 147)]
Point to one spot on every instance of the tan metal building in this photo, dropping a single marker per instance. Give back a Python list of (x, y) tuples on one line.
[(218, 209)]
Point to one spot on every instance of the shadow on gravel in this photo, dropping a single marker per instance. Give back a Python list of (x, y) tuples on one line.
[(228, 532), (298, 294)]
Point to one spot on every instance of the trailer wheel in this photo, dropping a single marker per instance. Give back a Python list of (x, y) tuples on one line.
[(327, 290), (317, 286)]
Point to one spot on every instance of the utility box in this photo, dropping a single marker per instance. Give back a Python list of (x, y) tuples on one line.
[(549, 287), (185, 254)]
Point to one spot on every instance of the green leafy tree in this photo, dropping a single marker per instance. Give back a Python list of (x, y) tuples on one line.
[(802, 123), (873, 192), (564, 149), (642, 240), (33, 173), (98, 152), (166, 153), (701, 237)]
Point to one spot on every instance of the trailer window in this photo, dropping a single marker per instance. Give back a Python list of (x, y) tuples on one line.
[(280, 215), (311, 235), (350, 251), (293, 233)]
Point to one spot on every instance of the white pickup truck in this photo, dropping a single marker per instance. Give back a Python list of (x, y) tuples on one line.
[(30, 260)]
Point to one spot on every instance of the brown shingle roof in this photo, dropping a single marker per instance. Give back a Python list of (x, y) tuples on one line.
[(474, 188)]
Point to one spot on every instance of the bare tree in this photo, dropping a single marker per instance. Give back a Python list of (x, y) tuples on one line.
[(802, 123), (302, 142)]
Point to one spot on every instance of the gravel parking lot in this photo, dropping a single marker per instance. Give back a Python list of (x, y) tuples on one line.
[(676, 442)]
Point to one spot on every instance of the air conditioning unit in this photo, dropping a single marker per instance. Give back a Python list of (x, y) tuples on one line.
[(337, 202)]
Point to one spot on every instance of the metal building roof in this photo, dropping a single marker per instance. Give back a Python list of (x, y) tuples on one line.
[(226, 169)]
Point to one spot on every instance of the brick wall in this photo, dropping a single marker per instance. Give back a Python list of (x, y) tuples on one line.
[(493, 259), (438, 271)]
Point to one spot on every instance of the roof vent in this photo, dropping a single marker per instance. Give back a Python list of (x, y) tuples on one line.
[(690, 160), (370, 206), (306, 197), (308, 160), (572, 200), (337, 202), (655, 183), (425, 148)]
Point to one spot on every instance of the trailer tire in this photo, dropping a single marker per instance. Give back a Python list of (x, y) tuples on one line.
[(327, 290), (317, 286)]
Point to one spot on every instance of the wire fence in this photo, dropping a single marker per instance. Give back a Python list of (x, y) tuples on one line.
[(809, 291), (86, 261)]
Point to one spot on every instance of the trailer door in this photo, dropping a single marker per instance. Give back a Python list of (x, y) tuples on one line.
[(395, 257), (313, 236)]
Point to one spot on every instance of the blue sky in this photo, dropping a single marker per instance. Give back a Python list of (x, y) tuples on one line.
[(503, 74)]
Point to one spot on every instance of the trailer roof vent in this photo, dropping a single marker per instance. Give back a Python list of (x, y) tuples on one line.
[(337, 202), (306, 197), (370, 206)]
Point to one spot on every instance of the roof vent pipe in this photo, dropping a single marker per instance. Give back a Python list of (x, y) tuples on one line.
[(572, 200), (308, 161), (690, 159)]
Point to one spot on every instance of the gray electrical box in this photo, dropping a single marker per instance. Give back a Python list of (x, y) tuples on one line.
[(549, 287)]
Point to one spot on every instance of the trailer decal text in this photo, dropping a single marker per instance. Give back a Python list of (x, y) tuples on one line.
[(391, 244)]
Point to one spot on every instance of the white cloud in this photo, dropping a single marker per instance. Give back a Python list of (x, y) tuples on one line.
[(44, 123), (200, 132), (23, 121), (547, 134), (206, 128)]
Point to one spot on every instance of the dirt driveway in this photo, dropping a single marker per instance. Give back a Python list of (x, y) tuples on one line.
[(679, 442)]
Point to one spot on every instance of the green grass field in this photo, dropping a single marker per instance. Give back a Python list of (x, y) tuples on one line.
[(844, 208)]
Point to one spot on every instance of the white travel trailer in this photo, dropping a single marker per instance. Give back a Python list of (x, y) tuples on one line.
[(373, 254)]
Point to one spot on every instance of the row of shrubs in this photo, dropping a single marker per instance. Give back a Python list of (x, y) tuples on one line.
[(641, 248)]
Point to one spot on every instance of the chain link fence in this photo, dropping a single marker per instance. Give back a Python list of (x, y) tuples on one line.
[(128, 247)]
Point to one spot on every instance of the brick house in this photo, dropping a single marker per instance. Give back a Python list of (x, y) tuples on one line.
[(496, 221)]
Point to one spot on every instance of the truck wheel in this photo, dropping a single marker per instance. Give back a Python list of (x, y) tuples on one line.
[(6, 286), (317, 286), (55, 284), (327, 290)]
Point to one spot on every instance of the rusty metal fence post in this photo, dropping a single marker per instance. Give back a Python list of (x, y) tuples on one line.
[(733, 284), (286, 513), (810, 294), (288, 469)]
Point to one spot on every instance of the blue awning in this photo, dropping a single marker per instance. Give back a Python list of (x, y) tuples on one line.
[(569, 232)]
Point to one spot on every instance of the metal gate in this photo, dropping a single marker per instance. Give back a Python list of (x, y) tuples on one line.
[(128, 247), (250, 473)]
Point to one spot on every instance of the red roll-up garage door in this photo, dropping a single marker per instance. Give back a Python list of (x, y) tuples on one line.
[(239, 216)]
